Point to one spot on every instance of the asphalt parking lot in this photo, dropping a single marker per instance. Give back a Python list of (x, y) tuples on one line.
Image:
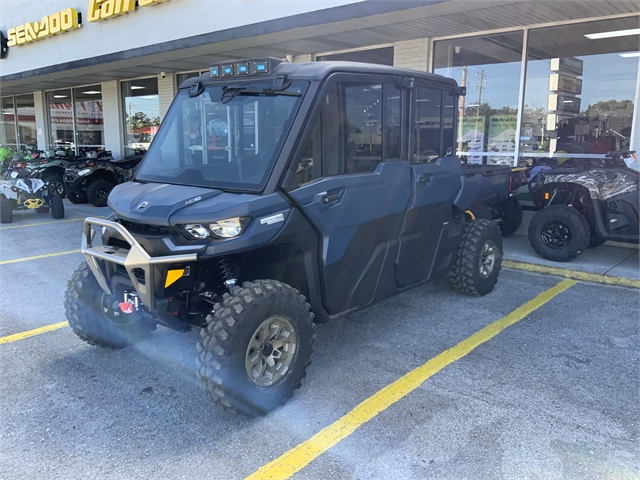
[(555, 395)]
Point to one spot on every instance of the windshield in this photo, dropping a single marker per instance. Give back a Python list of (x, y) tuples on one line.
[(222, 139)]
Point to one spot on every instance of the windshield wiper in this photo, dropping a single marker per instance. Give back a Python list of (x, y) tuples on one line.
[(279, 87)]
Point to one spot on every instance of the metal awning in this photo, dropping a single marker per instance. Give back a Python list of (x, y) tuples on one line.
[(317, 34)]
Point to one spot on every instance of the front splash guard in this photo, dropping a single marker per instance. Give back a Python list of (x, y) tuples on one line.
[(134, 258)]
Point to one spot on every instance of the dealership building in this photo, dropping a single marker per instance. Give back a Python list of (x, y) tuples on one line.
[(543, 77)]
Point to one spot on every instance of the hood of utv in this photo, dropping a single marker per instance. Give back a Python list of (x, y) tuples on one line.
[(165, 204)]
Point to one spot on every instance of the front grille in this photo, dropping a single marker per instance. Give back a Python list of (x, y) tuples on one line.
[(141, 228), (137, 272), (116, 242)]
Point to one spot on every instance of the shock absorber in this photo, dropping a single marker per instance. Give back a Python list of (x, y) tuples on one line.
[(227, 273)]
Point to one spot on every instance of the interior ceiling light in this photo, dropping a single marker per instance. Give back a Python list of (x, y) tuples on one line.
[(630, 55), (92, 92), (137, 87), (615, 33), (59, 96)]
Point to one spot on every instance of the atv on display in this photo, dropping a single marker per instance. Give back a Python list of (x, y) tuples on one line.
[(21, 192), (93, 180), (51, 170), (582, 204), (262, 208), (507, 213)]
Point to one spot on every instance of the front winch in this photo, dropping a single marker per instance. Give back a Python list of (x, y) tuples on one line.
[(131, 303)]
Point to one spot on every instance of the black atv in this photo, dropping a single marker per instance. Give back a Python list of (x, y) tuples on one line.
[(582, 204), (51, 169), (261, 208), (92, 181)]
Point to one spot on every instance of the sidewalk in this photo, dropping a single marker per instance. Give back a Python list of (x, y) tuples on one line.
[(606, 264)]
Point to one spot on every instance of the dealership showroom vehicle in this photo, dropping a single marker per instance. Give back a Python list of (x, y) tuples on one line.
[(93, 180), (328, 191), (583, 203), (51, 170), (21, 192)]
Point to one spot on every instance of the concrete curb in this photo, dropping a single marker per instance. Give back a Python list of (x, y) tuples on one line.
[(572, 274)]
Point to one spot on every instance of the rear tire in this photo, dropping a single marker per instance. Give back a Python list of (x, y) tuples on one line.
[(511, 213), (481, 211), (84, 301), (6, 210), (478, 260), (263, 322), (57, 207), (76, 198), (98, 192), (559, 233), (55, 185)]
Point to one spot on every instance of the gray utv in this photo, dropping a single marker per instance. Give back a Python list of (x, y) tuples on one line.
[(276, 196)]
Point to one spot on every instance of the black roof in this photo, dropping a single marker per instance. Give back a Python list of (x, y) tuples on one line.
[(317, 71)]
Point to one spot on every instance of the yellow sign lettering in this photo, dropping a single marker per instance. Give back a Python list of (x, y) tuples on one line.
[(53, 24), (20, 35), (94, 10), (11, 37), (105, 9)]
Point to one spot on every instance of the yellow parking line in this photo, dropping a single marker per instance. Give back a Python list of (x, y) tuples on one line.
[(573, 274), (41, 223), (298, 457), (38, 257), (30, 333)]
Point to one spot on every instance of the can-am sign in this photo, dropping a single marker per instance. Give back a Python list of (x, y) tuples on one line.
[(105, 9), (54, 24)]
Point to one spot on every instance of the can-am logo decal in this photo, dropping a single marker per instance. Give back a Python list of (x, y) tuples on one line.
[(143, 205), (193, 200)]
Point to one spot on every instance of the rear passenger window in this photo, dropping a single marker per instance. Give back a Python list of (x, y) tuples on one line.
[(392, 121), (448, 115), (428, 125)]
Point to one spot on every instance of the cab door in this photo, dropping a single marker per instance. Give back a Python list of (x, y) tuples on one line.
[(435, 182), (356, 200)]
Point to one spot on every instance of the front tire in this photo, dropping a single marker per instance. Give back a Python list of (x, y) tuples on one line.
[(478, 260), (256, 348), (6, 210), (98, 192), (85, 305), (559, 233), (57, 207)]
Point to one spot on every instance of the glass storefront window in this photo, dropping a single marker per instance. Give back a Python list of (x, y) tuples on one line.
[(61, 120), (141, 113), (489, 66), (26, 109), (8, 124), (89, 118), (579, 92), (182, 77)]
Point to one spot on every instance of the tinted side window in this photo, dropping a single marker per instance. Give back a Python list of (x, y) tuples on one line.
[(427, 125), (353, 128)]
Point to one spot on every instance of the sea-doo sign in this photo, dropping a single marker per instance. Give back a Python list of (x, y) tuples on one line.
[(54, 24)]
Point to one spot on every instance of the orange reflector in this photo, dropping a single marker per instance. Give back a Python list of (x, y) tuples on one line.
[(546, 195), (173, 276)]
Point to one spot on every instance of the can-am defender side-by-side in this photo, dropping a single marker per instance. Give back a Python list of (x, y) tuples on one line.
[(584, 203), (21, 192), (278, 195)]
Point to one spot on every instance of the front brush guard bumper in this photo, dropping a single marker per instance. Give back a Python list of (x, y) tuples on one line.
[(134, 258)]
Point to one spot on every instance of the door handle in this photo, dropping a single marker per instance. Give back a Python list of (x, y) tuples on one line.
[(425, 178), (330, 199)]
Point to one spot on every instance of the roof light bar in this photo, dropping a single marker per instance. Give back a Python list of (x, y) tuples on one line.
[(240, 68)]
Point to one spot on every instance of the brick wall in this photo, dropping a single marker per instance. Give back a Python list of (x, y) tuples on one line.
[(411, 54)]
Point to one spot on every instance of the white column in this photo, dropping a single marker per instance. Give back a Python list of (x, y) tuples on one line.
[(166, 92), (112, 118), (42, 126), (411, 54), (302, 58)]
